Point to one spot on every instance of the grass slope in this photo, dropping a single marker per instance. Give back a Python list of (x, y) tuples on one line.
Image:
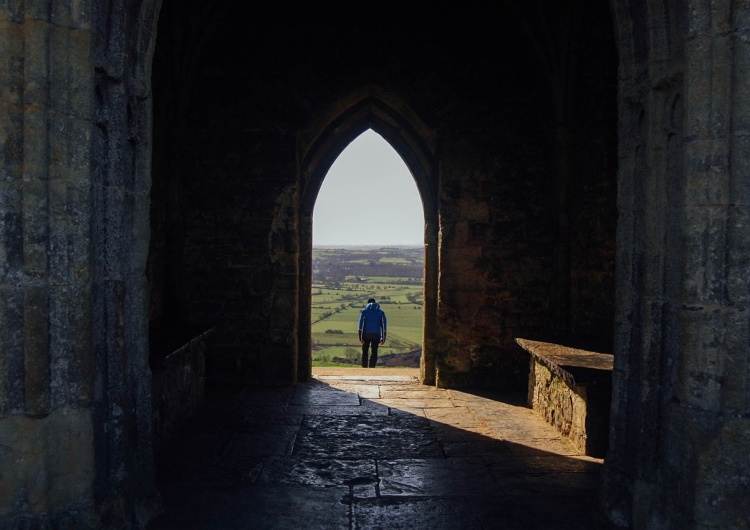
[(338, 299)]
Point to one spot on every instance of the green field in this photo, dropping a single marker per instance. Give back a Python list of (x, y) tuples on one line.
[(338, 299)]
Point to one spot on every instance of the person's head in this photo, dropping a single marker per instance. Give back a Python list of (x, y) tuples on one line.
[(371, 301)]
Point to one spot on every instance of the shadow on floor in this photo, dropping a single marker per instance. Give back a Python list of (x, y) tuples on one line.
[(373, 451)]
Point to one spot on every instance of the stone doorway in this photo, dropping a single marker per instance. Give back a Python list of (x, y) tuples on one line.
[(368, 111), (477, 205), (242, 106), (488, 214), (368, 242)]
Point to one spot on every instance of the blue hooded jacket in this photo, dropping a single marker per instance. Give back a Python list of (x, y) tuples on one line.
[(372, 320)]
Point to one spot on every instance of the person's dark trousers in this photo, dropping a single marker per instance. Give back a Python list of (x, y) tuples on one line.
[(367, 345)]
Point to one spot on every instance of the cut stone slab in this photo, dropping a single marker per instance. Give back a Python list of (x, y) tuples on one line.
[(362, 390), (461, 477), (346, 410), (408, 411), (312, 445), (423, 403), (448, 433), (388, 393), (274, 441), (566, 362), (366, 426), (544, 464), (456, 423), (256, 506), (323, 472), (324, 398), (413, 512), (535, 446), (475, 447)]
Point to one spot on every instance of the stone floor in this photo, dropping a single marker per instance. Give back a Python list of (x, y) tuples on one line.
[(368, 449)]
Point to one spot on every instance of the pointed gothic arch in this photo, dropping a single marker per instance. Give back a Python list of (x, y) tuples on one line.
[(673, 415), (374, 110)]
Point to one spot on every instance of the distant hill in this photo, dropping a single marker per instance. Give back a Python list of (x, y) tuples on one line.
[(363, 262), (343, 278)]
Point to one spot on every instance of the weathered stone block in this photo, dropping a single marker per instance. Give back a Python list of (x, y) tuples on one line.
[(70, 72), (571, 389), (70, 344), (36, 351), (724, 481), (701, 364), (705, 283), (46, 464), (738, 259)]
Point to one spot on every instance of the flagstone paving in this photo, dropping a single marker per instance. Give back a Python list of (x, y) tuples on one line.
[(373, 449)]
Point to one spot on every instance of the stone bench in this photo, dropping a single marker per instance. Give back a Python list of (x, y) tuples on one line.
[(572, 389)]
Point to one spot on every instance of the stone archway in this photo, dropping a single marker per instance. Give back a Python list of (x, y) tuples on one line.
[(369, 108), (76, 142), (659, 360)]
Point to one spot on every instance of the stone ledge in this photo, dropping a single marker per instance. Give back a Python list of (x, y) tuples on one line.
[(570, 364), (178, 387), (572, 390)]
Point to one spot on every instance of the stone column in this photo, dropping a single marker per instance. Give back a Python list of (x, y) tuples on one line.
[(304, 315), (74, 380), (709, 418), (679, 430), (427, 366), (46, 379)]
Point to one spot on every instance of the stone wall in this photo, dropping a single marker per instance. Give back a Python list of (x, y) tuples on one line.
[(561, 405), (527, 225), (179, 387), (229, 243), (571, 389), (223, 202), (495, 262), (503, 119), (74, 382), (47, 453)]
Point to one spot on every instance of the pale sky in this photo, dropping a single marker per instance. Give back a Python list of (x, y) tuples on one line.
[(368, 198)]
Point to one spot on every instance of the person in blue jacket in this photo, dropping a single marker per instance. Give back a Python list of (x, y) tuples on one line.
[(372, 329)]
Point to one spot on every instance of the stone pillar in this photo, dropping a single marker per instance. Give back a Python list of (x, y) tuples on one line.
[(493, 279), (279, 360), (709, 421), (680, 432), (74, 380), (462, 290), (427, 366), (304, 346), (47, 463)]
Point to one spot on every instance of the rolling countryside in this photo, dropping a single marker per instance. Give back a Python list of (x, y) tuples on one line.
[(343, 279)]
